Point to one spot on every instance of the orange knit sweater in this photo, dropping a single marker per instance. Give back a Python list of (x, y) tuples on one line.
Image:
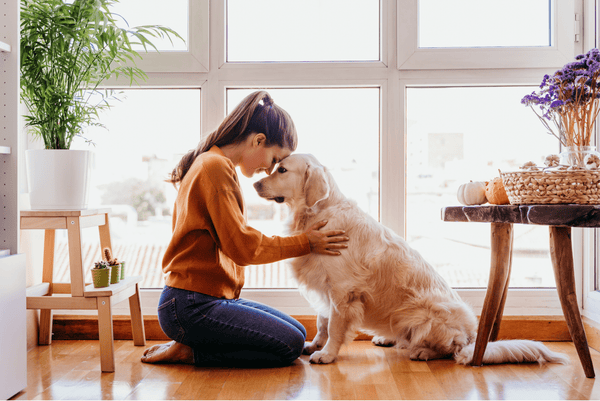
[(211, 241)]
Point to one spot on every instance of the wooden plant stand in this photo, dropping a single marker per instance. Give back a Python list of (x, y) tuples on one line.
[(77, 295)]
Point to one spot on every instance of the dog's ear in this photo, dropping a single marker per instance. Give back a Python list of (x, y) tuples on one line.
[(316, 187)]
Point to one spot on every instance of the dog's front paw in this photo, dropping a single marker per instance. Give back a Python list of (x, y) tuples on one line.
[(383, 342), (322, 357), (310, 348)]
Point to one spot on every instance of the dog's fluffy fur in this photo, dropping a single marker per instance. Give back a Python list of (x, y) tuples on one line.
[(379, 285)]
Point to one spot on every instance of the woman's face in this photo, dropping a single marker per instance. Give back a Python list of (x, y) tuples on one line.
[(261, 158)]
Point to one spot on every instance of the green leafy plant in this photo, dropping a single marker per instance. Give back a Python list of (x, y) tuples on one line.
[(68, 48)]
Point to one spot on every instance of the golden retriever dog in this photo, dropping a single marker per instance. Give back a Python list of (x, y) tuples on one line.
[(379, 285)]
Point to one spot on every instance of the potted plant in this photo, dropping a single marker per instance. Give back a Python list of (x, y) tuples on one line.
[(122, 270), (101, 274), (114, 265), (67, 50), (569, 105)]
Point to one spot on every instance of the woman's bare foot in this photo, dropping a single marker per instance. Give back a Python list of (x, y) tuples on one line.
[(172, 352)]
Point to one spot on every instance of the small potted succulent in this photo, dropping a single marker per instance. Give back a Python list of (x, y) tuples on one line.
[(101, 274), (114, 265), (122, 270)]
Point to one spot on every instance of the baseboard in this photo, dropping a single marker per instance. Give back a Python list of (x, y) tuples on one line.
[(541, 328), (592, 332)]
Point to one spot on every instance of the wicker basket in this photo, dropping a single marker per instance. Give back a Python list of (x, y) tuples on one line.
[(552, 186)]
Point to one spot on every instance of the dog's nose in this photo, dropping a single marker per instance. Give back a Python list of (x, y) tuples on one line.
[(258, 185)]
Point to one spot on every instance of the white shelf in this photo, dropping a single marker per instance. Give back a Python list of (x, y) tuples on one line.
[(13, 342), (4, 47), (4, 150)]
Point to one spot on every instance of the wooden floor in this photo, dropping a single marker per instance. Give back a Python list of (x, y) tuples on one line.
[(70, 369)]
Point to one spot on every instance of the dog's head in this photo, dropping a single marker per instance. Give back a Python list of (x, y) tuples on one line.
[(299, 178)]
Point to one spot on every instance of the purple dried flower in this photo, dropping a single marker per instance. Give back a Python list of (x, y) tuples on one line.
[(593, 66), (570, 99)]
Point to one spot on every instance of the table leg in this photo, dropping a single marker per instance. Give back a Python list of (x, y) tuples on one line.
[(562, 261), (137, 319), (498, 321), (105, 333), (75, 256), (45, 330), (491, 315)]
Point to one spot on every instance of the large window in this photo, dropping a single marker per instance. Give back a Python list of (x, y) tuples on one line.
[(346, 145), (483, 34), (173, 14), (145, 135), (402, 99), (302, 30), (483, 23), (477, 132)]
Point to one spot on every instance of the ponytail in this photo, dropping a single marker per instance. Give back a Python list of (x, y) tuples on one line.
[(255, 114)]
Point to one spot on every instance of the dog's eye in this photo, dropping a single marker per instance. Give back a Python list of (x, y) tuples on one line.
[(281, 170)]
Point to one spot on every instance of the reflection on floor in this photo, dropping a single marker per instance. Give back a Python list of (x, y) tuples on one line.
[(71, 370)]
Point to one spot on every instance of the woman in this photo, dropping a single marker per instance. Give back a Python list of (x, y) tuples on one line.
[(200, 308)]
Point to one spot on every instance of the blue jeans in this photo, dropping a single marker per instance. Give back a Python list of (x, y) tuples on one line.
[(230, 332)]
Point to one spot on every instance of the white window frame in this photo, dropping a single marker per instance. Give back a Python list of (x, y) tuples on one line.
[(411, 57), (392, 75), (195, 59), (588, 279)]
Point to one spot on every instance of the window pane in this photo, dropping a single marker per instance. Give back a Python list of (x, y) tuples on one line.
[(172, 14), (475, 132), (340, 126), (302, 30), (147, 134), (484, 23)]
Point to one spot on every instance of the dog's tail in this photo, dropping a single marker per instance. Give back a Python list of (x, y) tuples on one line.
[(512, 351)]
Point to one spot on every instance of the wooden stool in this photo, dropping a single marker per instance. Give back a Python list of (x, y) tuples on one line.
[(76, 295)]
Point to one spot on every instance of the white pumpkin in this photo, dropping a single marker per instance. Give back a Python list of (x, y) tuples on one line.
[(472, 193)]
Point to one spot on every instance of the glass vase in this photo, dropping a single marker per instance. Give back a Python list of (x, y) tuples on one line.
[(574, 156)]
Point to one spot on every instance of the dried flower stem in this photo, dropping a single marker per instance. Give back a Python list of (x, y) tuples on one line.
[(570, 99)]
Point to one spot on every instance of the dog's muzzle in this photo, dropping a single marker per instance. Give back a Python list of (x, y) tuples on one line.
[(258, 186)]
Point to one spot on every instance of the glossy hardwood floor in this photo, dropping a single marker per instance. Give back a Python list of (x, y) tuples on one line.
[(70, 369)]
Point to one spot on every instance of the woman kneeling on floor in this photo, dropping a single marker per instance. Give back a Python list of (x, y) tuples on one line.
[(200, 308)]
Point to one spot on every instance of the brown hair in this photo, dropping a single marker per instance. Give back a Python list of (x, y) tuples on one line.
[(255, 114)]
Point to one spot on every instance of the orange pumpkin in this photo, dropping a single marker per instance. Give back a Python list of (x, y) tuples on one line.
[(495, 192)]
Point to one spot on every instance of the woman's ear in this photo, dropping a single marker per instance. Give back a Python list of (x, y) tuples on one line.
[(259, 139)]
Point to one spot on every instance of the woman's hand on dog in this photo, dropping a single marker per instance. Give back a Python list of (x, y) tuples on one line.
[(326, 242)]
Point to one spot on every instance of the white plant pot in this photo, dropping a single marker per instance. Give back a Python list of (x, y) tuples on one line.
[(58, 179)]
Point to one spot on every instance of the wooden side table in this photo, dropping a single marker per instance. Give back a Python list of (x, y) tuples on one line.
[(560, 219), (77, 295)]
